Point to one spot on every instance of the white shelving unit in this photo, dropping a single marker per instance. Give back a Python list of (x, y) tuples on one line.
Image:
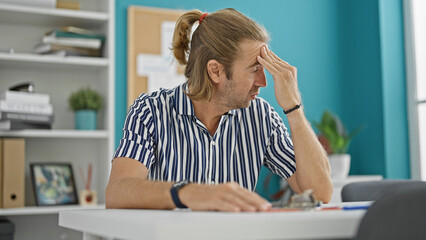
[(21, 28), (45, 210)]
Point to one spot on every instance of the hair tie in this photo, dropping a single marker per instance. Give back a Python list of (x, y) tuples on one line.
[(202, 17)]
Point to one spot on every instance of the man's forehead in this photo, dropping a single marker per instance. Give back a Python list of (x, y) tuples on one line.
[(250, 48)]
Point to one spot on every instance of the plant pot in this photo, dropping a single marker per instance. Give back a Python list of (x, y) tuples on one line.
[(340, 165), (85, 120)]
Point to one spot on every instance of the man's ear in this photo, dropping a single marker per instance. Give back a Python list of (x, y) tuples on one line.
[(215, 70)]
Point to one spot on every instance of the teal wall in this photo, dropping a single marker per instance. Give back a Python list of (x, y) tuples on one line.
[(373, 91), (349, 56), (394, 89)]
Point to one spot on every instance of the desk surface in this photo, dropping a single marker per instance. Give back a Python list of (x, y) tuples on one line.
[(159, 224)]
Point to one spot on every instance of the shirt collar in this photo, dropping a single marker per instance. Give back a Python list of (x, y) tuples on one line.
[(183, 104)]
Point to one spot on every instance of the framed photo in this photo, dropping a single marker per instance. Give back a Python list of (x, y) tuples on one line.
[(53, 184)]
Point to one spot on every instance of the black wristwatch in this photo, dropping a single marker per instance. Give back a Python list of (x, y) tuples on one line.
[(174, 192)]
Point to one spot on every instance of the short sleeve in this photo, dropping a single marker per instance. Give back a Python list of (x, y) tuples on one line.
[(280, 152), (137, 141)]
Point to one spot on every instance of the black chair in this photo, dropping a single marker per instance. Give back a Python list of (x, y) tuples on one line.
[(398, 215), (374, 190)]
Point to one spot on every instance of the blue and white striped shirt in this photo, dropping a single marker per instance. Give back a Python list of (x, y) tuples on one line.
[(162, 132)]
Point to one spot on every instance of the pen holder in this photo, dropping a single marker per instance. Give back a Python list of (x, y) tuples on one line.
[(88, 197)]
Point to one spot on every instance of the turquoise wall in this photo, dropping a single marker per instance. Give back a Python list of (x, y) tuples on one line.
[(349, 56), (394, 89)]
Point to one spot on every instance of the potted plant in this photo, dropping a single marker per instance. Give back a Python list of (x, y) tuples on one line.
[(336, 141), (85, 103)]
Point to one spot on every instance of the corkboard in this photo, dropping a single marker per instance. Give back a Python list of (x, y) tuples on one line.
[(144, 36)]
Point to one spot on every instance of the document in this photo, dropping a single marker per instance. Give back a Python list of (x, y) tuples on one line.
[(162, 70), (157, 81), (151, 63)]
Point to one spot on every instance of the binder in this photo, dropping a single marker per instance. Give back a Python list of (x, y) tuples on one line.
[(12, 172)]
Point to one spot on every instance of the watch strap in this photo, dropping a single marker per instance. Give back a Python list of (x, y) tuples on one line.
[(174, 192)]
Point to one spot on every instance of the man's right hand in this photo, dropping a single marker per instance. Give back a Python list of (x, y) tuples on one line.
[(229, 197), (128, 187)]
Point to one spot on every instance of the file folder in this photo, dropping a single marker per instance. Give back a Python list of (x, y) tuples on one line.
[(12, 172)]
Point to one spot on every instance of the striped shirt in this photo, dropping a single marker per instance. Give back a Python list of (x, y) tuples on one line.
[(162, 132)]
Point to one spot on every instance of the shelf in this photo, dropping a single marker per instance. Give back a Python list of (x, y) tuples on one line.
[(36, 60), (46, 16), (44, 210), (21, 28), (34, 133)]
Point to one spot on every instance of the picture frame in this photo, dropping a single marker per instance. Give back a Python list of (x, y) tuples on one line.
[(53, 184)]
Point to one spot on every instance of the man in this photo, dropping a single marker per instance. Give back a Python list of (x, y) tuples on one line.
[(201, 145)]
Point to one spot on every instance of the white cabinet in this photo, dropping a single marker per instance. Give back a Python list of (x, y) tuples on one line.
[(22, 27)]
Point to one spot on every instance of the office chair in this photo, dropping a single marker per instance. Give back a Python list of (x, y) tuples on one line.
[(398, 215), (374, 190)]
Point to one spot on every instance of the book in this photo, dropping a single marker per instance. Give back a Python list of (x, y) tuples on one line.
[(30, 118), (19, 125), (31, 108), (31, 97), (67, 34), (74, 42), (56, 53), (73, 29), (62, 50)]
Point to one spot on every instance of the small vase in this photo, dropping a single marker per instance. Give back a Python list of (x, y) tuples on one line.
[(340, 165), (85, 120)]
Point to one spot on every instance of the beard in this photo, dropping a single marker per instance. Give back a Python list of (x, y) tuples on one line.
[(230, 98)]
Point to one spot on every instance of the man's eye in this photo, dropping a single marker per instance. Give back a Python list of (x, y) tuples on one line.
[(255, 69)]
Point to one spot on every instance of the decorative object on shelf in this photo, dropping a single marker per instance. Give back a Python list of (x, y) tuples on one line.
[(53, 184), (22, 108), (336, 142), (88, 196), (85, 102)]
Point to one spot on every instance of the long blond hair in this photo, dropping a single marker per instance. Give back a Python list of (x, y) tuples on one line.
[(217, 37)]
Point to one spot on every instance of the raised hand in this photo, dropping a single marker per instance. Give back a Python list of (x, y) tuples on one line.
[(285, 78)]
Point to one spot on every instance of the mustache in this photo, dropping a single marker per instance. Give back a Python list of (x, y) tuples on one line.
[(255, 92)]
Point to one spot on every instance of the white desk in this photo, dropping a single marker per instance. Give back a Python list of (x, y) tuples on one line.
[(158, 224)]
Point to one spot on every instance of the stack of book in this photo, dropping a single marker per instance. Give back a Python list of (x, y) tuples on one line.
[(25, 110), (71, 41)]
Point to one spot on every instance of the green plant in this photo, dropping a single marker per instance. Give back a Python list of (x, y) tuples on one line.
[(333, 130), (85, 99)]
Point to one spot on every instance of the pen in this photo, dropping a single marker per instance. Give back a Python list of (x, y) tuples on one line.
[(355, 207)]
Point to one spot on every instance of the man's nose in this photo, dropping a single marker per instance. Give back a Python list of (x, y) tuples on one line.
[(260, 80)]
